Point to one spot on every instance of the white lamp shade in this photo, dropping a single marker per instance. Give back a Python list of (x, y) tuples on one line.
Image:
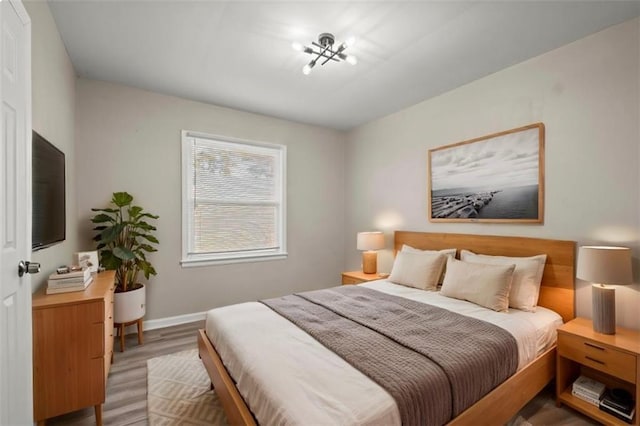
[(605, 265), (370, 240)]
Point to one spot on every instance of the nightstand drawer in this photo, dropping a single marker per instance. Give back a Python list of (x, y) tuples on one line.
[(350, 280), (597, 356)]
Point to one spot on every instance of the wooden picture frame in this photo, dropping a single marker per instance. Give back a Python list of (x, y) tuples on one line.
[(88, 259), (498, 178)]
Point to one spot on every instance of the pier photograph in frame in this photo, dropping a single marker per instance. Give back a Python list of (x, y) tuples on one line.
[(494, 178)]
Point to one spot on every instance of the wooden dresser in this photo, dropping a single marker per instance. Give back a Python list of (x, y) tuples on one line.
[(72, 348)]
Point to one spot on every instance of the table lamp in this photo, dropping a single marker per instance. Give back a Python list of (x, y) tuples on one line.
[(370, 241), (601, 266)]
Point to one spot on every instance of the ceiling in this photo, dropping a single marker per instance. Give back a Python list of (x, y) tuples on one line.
[(238, 53)]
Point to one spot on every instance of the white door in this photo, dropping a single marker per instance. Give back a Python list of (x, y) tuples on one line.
[(16, 406)]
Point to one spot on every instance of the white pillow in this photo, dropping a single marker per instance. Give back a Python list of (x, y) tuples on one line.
[(484, 285), (527, 276), (447, 252), (417, 270)]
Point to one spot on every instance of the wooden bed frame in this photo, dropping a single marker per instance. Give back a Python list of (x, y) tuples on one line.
[(498, 406)]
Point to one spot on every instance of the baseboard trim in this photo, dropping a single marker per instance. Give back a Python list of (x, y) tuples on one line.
[(171, 321)]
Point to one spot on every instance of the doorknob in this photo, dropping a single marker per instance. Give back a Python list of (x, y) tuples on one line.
[(26, 267)]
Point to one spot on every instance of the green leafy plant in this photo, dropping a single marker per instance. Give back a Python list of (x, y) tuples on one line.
[(124, 238)]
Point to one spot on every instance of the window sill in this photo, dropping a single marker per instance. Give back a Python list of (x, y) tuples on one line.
[(195, 263)]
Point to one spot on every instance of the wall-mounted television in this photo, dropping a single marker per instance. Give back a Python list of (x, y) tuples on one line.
[(48, 194)]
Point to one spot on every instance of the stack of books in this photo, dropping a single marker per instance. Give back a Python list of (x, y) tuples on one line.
[(69, 281), (588, 389), (620, 407)]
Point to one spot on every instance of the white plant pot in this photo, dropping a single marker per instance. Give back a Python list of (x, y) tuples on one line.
[(130, 305)]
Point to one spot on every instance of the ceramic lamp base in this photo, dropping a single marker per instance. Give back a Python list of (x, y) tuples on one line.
[(369, 262), (603, 307)]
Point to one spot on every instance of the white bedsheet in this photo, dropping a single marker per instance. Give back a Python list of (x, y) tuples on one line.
[(287, 377)]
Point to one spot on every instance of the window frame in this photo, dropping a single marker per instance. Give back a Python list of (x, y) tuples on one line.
[(187, 172)]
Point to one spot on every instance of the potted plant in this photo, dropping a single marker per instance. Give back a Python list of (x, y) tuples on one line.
[(124, 237)]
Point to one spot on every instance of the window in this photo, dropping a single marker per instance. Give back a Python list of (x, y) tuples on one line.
[(233, 200)]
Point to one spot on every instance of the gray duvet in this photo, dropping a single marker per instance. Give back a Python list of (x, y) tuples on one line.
[(434, 363)]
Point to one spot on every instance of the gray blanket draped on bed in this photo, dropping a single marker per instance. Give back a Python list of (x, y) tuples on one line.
[(434, 363)]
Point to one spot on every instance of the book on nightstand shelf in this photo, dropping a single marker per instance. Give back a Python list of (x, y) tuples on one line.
[(588, 386), (588, 389), (586, 397), (622, 408), (619, 414)]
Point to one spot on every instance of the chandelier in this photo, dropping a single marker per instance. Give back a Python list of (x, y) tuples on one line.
[(323, 50)]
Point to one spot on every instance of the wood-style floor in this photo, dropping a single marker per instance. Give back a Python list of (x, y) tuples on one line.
[(126, 402)]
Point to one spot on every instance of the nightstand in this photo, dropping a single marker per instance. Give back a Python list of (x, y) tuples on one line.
[(611, 359), (357, 277)]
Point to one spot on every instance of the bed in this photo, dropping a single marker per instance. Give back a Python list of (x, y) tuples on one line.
[(498, 406)]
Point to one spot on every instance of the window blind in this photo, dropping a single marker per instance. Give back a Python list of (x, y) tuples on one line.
[(234, 198)]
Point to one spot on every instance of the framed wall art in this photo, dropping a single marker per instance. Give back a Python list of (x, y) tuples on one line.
[(494, 178)]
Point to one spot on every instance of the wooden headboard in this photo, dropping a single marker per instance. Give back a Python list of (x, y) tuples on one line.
[(558, 282)]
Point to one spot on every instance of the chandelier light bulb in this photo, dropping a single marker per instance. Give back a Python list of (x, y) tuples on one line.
[(352, 59), (349, 42), (306, 69), (297, 46)]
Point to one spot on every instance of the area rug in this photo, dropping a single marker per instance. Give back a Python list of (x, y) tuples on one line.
[(178, 392)]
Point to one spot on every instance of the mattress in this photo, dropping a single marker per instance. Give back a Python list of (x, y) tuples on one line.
[(287, 377)]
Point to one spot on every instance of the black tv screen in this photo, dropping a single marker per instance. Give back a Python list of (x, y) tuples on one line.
[(48, 192)]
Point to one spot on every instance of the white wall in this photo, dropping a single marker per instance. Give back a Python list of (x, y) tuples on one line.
[(53, 96), (586, 93), (129, 140)]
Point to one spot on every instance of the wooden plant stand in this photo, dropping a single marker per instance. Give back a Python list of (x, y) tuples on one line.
[(121, 326)]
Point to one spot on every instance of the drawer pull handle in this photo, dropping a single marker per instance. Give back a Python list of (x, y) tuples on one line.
[(594, 360), (594, 346)]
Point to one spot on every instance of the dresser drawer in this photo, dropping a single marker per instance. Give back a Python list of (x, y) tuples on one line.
[(96, 340), (108, 320), (597, 356), (107, 363), (108, 345), (108, 332), (108, 302)]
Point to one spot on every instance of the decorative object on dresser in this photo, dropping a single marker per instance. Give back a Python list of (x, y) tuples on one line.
[(72, 348), (71, 280), (613, 360), (369, 242), (604, 265), (358, 277), (494, 178), (88, 259), (124, 238)]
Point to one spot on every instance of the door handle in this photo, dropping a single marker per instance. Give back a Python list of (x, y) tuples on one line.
[(26, 267)]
